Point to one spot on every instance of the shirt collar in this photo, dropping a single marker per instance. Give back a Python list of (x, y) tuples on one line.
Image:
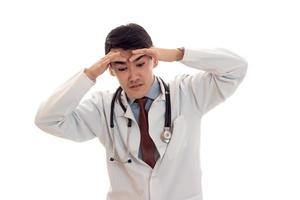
[(154, 91)]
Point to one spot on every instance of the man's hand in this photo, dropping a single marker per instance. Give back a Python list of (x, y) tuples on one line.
[(100, 66), (167, 55)]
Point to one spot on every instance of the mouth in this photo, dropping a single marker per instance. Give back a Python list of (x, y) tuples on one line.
[(136, 86)]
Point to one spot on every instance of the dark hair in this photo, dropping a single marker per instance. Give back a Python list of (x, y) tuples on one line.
[(128, 37)]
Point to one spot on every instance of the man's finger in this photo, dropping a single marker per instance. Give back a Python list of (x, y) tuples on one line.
[(117, 56), (138, 51)]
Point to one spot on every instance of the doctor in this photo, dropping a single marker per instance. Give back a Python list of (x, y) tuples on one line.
[(150, 129)]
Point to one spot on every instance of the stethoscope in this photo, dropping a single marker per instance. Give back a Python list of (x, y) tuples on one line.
[(165, 135)]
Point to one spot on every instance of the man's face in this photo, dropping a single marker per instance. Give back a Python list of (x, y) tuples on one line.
[(135, 77)]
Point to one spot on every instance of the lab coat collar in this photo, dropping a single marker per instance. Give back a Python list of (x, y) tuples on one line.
[(118, 109), (162, 96)]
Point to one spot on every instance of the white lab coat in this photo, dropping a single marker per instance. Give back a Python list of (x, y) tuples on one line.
[(177, 174)]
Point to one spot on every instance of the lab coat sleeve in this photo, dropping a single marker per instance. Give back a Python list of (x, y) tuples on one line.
[(221, 72), (63, 115)]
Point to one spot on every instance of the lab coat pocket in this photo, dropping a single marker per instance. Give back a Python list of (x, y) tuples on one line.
[(179, 139)]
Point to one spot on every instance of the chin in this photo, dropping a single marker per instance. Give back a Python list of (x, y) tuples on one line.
[(136, 95)]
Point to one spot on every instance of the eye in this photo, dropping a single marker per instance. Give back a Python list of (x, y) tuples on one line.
[(121, 68), (140, 65)]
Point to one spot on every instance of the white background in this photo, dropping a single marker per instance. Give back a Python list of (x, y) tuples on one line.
[(250, 144)]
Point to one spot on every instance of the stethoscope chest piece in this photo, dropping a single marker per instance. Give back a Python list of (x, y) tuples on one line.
[(166, 135)]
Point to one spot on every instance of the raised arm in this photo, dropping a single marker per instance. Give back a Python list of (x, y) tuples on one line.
[(221, 73), (63, 115)]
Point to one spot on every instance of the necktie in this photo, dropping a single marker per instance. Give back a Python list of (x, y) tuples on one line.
[(147, 145)]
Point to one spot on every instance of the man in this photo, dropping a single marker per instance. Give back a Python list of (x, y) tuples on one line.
[(147, 156)]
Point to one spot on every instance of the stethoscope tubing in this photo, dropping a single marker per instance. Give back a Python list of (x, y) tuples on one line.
[(167, 124)]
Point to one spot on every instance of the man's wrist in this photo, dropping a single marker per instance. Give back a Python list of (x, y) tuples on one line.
[(89, 74), (180, 53)]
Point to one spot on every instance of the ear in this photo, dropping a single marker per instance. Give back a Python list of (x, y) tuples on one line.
[(111, 71)]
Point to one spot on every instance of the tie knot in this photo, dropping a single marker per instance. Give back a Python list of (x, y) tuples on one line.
[(141, 102)]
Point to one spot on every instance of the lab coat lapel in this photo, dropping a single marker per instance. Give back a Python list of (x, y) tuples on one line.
[(122, 120), (156, 119), (120, 112)]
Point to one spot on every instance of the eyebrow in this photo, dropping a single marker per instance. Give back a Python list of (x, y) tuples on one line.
[(121, 62), (139, 58)]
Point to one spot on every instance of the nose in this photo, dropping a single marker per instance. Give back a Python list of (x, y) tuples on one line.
[(133, 75)]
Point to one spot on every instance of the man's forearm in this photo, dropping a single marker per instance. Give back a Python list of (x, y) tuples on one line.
[(90, 74), (170, 55)]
